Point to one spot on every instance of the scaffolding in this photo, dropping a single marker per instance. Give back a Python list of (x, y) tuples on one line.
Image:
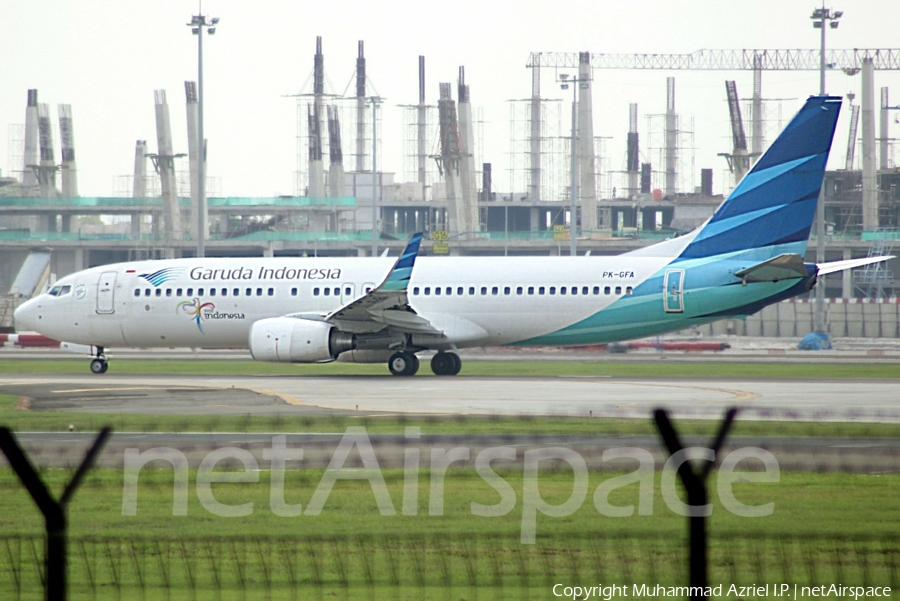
[(683, 171), (875, 280), (554, 164), (411, 149)]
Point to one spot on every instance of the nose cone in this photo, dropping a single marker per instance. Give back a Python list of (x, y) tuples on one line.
[(27, 317)]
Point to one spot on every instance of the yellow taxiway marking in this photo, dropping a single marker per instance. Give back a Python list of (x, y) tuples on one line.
[(135, 388), (290, 400)]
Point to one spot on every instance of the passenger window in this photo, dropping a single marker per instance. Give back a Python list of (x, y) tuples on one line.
[(427, 290), (337, 291), (472, 290), (159, 292), (212, 291), (541, 290), (483, 290), (437, 290), (368, 289), (348, 290), (315, 292), (629, 290), (137, 292), (293, 292), (552, 290), (459, 291), (519, 290), (190, 292), (494, 290), (327, 291), (271, 292), (448, 291), (596, 290), (248, 292), (618, 290), (416, 291), (562, 290), (178, 292), (259, 292), (224, 291), (574, 289), (237, 292), (147, 292), (200, 291), (168, 292), (607, 290), (584, 290), (506, 290), (531, 290)]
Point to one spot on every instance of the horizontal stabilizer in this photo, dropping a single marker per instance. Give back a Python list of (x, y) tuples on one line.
[(835, 266), (782, 267)]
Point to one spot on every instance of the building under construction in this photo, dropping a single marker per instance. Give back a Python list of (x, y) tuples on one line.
[(345, 205)]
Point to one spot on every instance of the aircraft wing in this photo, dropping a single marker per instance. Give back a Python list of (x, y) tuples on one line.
[(387, 304), (834, 266)]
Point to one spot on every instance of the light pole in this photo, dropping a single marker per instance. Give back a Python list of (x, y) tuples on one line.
[(198, 24), (564, 81), (820, 17), (375, 100)]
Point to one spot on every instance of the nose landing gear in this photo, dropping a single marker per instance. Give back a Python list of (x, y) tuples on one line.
[(100, 364)]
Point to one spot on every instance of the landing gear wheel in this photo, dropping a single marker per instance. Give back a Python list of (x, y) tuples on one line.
[(99, 366), (457, 364), (445, 364), (403, 363)]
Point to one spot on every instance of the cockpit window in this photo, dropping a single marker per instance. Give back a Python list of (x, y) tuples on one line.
[(60, 290)]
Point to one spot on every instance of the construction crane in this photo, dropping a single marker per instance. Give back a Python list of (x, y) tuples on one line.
[(739, 158), (727, 60)]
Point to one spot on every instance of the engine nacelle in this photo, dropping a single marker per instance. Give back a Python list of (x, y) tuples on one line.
[(289, 340)]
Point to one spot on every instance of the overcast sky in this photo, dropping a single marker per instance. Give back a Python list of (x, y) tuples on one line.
[(105, 58)]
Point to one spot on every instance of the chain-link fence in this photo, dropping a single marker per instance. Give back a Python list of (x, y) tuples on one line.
[(468, 566)]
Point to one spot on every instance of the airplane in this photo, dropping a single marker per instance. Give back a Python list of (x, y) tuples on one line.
[(747, 255)]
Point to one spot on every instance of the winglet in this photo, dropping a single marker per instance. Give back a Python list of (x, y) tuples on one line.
[(398, 278)]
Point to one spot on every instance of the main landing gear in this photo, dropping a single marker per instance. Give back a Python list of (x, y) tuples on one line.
[(100, 364), (446, 364), (405, 363)]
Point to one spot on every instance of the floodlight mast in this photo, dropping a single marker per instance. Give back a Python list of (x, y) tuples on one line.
[(819, 17), (564, 81), (198, 24)]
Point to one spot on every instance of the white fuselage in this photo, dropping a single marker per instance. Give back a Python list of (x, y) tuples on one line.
[(212, 303)]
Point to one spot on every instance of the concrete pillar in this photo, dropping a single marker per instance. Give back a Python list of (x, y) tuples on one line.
[(869, 174), (268, 251), (534, 138), (883, 134), (80, 256), (534, 223), (165, 164), (587, 163), (846, 276), (29, 177), (68, 172), (671, 127), (756, 124), (193, 133)]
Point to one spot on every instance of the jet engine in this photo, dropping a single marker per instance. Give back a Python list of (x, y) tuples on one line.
[(289, 340)]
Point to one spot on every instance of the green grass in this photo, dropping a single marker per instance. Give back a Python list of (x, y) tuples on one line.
[(650, 368), (805, 504), (821, 532)]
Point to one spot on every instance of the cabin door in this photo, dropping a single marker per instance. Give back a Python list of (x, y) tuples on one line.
[(106, 291), (673, 294)]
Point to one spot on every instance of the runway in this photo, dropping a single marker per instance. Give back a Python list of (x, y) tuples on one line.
[(824, 400)]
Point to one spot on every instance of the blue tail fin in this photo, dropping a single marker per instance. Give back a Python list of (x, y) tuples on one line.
[(774, 205)]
